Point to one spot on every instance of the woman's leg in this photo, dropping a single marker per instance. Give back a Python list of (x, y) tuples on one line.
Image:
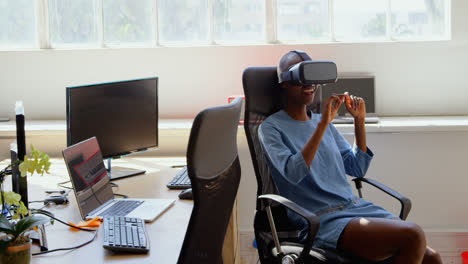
[(431, 256), (378, 239)]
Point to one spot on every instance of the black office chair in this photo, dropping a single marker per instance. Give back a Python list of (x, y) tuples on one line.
[(214, 171), (276, 236)]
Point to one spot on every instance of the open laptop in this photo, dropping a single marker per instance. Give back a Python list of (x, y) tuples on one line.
[(362, 86), (93, 190)]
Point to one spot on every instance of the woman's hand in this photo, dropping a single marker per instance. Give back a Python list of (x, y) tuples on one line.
[(355, 106), (330, 108)]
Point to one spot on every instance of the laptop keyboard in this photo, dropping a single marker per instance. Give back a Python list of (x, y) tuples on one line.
[(125, 234), (121, 207), (180, 181)]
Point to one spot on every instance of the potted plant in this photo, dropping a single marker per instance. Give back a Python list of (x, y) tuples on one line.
[(15, 245)]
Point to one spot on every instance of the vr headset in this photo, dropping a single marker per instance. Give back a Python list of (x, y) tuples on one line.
[(308, 72)]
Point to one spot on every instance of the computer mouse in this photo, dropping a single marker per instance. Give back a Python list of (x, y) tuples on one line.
[(186, 194)]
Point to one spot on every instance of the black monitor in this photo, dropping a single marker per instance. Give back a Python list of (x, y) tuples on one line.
[(122, 115)]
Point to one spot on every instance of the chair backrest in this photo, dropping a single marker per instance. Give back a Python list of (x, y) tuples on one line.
[(262, 98), (214, 171)]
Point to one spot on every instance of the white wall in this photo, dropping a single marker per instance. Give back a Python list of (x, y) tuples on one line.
[(417, 78)]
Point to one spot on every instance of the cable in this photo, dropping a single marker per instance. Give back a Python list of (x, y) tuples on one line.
[(58, 220), (67, 192), (115, 185), (37, 201), (7, 172), (69, 248), (121, 195), (61, 184), (52, 192), (42, 209)]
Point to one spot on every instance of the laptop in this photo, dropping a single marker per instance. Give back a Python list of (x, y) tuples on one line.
[(93, 190), (362, 86)]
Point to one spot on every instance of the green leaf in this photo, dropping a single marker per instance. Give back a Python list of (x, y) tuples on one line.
[(27, 223), (5, 225)]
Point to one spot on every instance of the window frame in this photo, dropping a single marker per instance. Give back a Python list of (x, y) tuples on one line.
[(270, 31)]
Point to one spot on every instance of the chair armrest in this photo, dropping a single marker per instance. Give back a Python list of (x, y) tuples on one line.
[(311, 218), (404, 201)]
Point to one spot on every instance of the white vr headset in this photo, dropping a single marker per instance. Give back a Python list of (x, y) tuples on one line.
[(309, 72)]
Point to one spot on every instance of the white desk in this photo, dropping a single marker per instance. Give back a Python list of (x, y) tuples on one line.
[(166, 233)]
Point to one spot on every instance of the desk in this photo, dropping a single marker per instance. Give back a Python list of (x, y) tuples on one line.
[(166, 233)]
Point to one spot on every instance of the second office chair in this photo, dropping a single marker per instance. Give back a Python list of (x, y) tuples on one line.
[(214, 171)]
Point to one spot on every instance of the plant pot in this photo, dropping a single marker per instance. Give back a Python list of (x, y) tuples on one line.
[(18, 254)]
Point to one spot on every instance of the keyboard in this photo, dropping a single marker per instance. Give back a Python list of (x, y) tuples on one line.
[(122, 207), (125, 234), (180, 181)]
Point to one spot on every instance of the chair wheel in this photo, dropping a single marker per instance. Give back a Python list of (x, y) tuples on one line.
[(289, 259)]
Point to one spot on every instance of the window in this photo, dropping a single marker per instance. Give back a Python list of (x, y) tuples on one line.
[(360, 19), (73, 22), (128, 21), (183, 21), (131, 23), (419, 19), (17, 23), (302, 20), (239, 20)]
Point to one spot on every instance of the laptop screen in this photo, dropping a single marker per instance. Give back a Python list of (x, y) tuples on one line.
[(88, 175)]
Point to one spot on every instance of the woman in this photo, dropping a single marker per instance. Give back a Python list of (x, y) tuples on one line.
[(309, 160)]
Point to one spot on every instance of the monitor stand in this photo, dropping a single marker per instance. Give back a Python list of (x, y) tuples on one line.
[(117, 173)]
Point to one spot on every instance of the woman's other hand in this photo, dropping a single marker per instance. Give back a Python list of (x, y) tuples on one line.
[(355, 106), (330, 108)]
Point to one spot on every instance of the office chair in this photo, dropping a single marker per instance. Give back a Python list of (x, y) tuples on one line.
[(214, 171), (276, 237)]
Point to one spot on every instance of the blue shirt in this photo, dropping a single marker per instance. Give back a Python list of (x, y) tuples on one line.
[(323, 186)]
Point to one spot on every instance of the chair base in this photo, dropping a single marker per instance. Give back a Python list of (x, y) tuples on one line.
[(321, 256)]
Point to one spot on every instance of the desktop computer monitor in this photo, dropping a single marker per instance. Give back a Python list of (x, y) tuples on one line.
[(122, 115)]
